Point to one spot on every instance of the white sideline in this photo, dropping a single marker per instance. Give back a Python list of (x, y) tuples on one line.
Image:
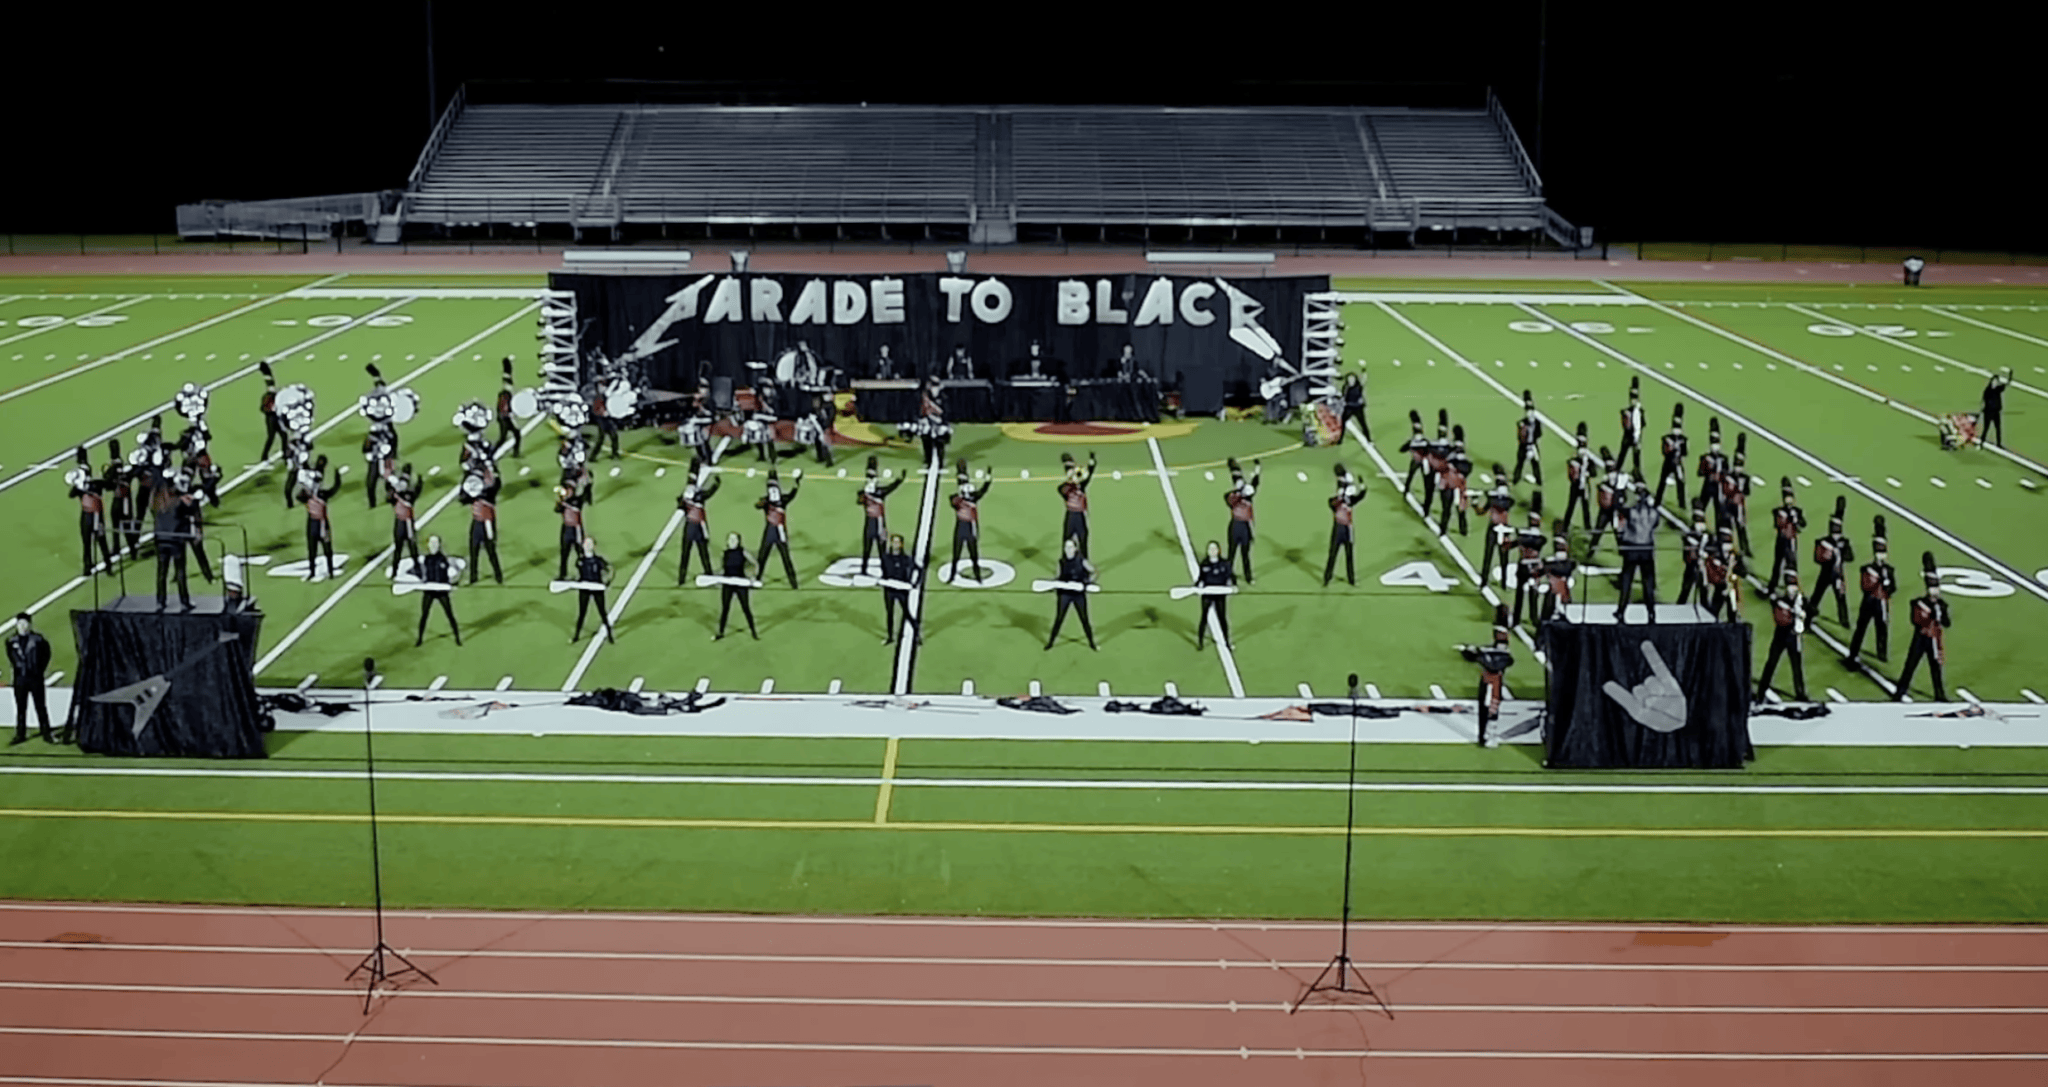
[(1187, 549), (906, 646)]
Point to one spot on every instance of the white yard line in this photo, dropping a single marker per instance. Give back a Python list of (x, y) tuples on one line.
[(597, 639), (374, 565), (71, 322), (64, 456), (921, 554), (2024, 581), (1187, 550), (1947, 311)]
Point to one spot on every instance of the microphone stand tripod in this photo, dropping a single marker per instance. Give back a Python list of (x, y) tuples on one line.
[(377, 967), (1341, 977)]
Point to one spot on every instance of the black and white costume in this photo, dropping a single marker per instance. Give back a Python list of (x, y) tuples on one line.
[(1215, 572), (434, 570), (591, 568), (28, 662), (734, 565), (1073, 569)]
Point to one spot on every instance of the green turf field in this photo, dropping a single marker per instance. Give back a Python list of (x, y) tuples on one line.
[(1833, 385)]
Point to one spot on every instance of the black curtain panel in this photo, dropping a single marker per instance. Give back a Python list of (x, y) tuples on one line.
[(209, 709), (1179, 327), (1697, 718)]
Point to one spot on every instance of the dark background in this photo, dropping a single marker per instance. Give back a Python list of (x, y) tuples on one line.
[(1746, 121)]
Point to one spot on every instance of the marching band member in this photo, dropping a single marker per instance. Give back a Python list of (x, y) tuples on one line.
[(1880, 583), (1833, 553), (1632, 425), (1239, 499), (1695, 539), (1074, 569), (574, 458), (1930, 617), (569, 505), (1073, 492), (273, 428), (813, 429), (1434, 458), (591, 569), (172, 518), (1721, 566), (1580, 472), (508, 423), (319, 533), (92, 513), (695, 433), (298, 464), (198, 460), (1417, 448), (479, 491), (1994, 406), (1529, 439), (433, 569), (1457, 471), (1736, 484), (774, 507), (1349, 491), (380, 451), (1215, 573), (696, 520), (735, 587), (759, 428), (1558, 573), (873, 499), (1529, 561), (118, 481), (607, 425), (932, 427), (966, 502), (1610, 494), (1493, 660), (1673, 468), (405, 496), (898, 566), (1498, 504), (1788, 611), (1713, 465), (1789, 521), (1354, 402)]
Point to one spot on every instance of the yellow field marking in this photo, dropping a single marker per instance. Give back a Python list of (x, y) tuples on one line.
[(1032, 828), (1138, 432), (888, 782)]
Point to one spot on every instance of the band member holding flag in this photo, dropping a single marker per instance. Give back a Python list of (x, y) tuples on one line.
[(569, 505), (319, 532), (873, 499), (433, 569), (1215, 573), (92, 513), (966, 502), (1833, 553), (1349, 491), (1673, 468), (479, 492), (1494, 660), (1529, 439), (1787, 521), (405, 498), (1788, 611), (508, 423), (1071, 590), (694, 502), (592, 570), (735, 585), (774, 507), (1930, 618), (1239, 500), (1074, 492), (899, 575), (1880, 583)]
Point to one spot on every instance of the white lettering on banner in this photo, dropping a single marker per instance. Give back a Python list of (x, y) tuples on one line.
[(995, 574), (1106, 312), (1191, 300), (991, 300), (849, 303), (810, 308), (1072, 305), (725, 302), (765, 298), (887, 299), (954, 288), (1964, 581), (1157, 307)]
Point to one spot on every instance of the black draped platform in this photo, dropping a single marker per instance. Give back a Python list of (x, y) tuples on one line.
[(1012, 402), (208, 709), (1589, 728)]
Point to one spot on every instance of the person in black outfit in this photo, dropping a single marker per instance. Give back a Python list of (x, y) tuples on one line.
[(734, 565), (1354, 405), (1529, 439), (28, 658), (119, 483), (1788, 611), (1880, 583), (433, 569), (967, 519), (92, 513), (1349, 492), (480, 493), (1929, 616), (1417, 448), (1994, 405), (1493, 660), (1674, 445), (1074, 569), (696, 519), (273, 427), (569, 505), (319, 533), (1073, 492), (873, 499), (897, 566), (508, 424), (1637, 540), (1215, 572), (172, 517), (404, 491), (592, 569), (1833, 553)]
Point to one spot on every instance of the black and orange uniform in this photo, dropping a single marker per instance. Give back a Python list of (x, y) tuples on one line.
[(1713, 466), (696, 527), (1417, 448), (1582, 472), (592, 569), (1788, 611), (1558, 573), (897, 567), (1610, 494), (1734, 507), (932, 416), (28, 665), (319, 531), (1434, 460), (874, 530), (1075, 570), (1631, 433), (1832, 553), (405, 499), (1528, 442), (118, 485), (574, 458), (1880, 583), (1930, 618), (1695, 544), (483, 525), (92, 518), (1529, 566), (1074, 493), (1452, 485), (1493, 660), (172, 519), (1215, 573), (967, 525), (571, 536), (734, 565), (199, 461), (273, 427), (1674, 449), (775, 532), (1787, 522), (1342, 531), (1720, 566), (508, 424), (434, 570), (1242, 515)]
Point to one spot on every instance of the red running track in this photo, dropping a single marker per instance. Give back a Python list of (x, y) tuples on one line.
[(113, 996)]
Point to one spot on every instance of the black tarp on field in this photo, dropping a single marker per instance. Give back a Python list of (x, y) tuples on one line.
[(209, 709), (1592, 728), (1193, 332)]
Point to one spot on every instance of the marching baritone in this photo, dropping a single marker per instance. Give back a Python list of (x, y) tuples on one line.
[(774, 506), (1342, 531), (405, 489), (592, 569), (479, 491), (1074, 493), (1879, 583), (1787, 521), (966, 503), (569, 505), (1832, 553), (1215, 573), (1239, 499), (1493, 659), (694, 502), (873, 499), (1788, 611), (1930, 618), (1075, 574), (735, 586), (433, 569)]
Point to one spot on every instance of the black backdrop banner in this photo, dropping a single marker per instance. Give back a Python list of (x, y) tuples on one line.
[(1591, 729), (210, 710), (1202, 334)]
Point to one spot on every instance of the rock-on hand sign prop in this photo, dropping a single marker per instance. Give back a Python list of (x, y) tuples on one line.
[(1657, 703)]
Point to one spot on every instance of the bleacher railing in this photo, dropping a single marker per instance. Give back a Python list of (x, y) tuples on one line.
[(439, 136), (292, 217), (1507, 131)]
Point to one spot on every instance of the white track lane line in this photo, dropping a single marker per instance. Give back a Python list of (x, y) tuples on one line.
[(597, 640), (374, 565), (69, 322), (1187, 550), (921, 554), (64, 456), (2039, 591)]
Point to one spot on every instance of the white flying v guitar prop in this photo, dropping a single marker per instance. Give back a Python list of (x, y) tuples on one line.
[(1182, 592), (1044, 586)]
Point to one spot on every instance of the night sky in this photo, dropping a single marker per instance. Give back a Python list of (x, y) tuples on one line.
[(1750, 121)]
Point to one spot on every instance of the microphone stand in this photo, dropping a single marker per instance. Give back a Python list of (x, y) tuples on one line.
[(376, 967), (1341, 977)]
